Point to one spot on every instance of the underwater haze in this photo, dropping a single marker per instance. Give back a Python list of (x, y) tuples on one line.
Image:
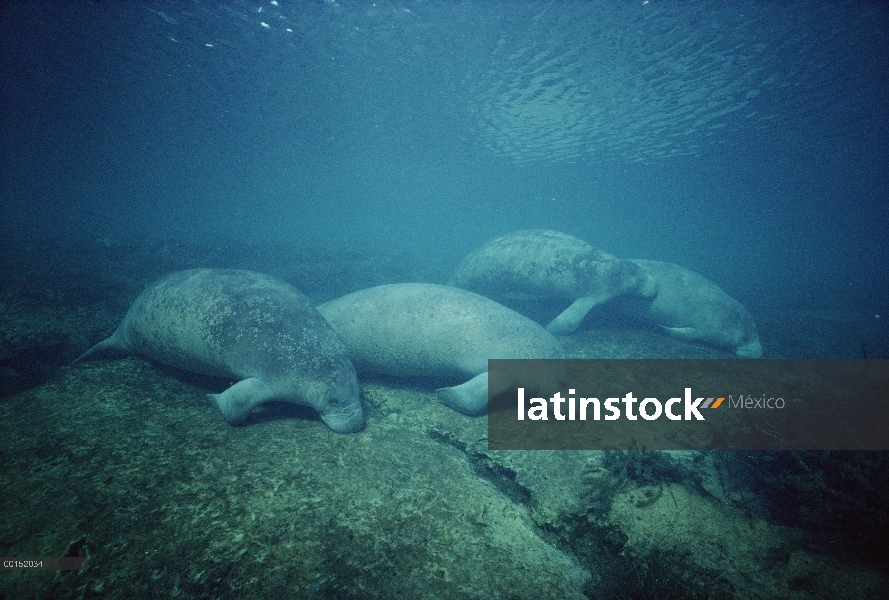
[(746, 140), (240, 215)]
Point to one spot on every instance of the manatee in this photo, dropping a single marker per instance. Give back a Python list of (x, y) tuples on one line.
[(245, 326), (551, 264), (690, 306), (435, 331)]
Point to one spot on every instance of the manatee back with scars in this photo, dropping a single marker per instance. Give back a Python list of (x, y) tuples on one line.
[(551, 264), (246, 326)]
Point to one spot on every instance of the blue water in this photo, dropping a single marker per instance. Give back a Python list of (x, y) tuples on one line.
[(745, 140)]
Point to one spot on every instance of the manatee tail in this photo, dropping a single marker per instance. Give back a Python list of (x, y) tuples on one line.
[(470, 398), (107, 348)]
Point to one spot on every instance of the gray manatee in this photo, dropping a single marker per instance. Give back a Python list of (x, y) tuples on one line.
[(551, 264), (247, 326), (690, 306), (427, 330)]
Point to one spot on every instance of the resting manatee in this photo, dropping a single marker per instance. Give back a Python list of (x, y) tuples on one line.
[(426, 330), (551, 264), (692, 307), (248, 326)]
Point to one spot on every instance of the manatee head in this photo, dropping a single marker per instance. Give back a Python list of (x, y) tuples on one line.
[(750, 348), (746, 335), (344, 417), (738, 326), (339, 404)]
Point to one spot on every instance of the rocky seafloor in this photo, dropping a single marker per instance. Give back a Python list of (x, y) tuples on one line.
[(126, 462)]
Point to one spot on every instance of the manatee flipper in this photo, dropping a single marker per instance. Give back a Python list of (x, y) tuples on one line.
[(571, 317), (686, 333), (236, 402), (107, 348), (470, 398)]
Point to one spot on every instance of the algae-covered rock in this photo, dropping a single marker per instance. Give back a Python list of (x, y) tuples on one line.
[(36, 339), (134, 469)]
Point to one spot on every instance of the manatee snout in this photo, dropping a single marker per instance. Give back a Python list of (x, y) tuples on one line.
[(343, 413), (751, 349)]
